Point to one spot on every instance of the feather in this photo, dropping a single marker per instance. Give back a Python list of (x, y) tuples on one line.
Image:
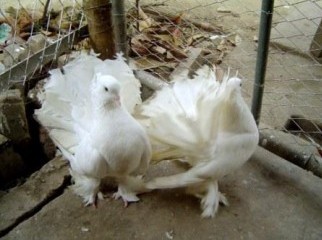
[(205, 123), (86, 110)]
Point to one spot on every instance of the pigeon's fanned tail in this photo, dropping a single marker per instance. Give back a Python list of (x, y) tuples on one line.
[(205, 123), (182, 116), (67, 107), (130, 91), (67, 110)]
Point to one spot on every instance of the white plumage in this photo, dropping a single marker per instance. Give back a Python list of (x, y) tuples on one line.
[(87, 113), (201, 121), (206, 124)]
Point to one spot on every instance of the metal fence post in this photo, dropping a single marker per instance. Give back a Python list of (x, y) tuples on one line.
[(262, 53), (119, 24)]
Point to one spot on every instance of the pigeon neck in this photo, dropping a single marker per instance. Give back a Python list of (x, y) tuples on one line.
[(104, 108), (236, 115)]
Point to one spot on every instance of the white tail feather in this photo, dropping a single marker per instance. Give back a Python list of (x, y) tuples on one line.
[(66, 111), (175, 181), (183, 116)]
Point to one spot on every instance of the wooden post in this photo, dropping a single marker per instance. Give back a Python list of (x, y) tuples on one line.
[(316, 45), (99, 19)]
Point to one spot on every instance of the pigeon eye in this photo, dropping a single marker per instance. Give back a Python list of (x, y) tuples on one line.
[(240, 84), (106, 89)]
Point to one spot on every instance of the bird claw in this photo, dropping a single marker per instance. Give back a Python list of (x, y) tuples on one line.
[(93, 200), (117, 196), (223, 200)]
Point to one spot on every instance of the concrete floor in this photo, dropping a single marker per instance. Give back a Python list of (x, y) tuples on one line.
[(269, 199)]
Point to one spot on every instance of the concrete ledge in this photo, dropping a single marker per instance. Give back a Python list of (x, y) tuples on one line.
[(40, 188)]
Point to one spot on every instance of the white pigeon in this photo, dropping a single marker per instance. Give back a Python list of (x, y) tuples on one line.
[(205, 123), (87, 110)]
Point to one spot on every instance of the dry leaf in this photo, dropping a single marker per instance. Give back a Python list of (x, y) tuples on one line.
[(191, 40), (169, 56), (178, 19), (46, 33), (176, 32), (145, 21), (159, 50), (163, 37), (140, 44), (22, 16), (145, 63), (175, 51)]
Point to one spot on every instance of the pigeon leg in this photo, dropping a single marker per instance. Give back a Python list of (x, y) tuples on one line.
[(126, 195)]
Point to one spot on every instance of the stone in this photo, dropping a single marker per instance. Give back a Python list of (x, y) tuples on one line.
[(223, 10), (13, 53), (36, 42), (13, 121)]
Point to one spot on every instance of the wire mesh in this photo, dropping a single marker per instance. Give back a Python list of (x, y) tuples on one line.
[(293, 90), (34, 32), (168, 36)]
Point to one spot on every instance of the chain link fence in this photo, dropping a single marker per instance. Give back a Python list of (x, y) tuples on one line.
[(166, 37), (292, 100)]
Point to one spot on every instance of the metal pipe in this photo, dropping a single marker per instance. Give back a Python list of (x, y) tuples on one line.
[(292, 149), (149, 80), (262, 53), (119, 23)]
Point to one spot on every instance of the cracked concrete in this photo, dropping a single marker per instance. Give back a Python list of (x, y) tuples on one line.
[(23, 201)]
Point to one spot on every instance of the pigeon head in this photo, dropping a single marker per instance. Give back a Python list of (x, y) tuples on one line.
[(234, 83), (106, 91), (232, 87)]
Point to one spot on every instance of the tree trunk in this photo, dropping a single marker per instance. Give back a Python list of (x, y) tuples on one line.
[(98, 14)]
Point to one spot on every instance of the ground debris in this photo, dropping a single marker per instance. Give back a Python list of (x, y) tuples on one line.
[(160, 41), (169, 234)]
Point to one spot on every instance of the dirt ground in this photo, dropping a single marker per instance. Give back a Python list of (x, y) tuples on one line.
[(269, 197)]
